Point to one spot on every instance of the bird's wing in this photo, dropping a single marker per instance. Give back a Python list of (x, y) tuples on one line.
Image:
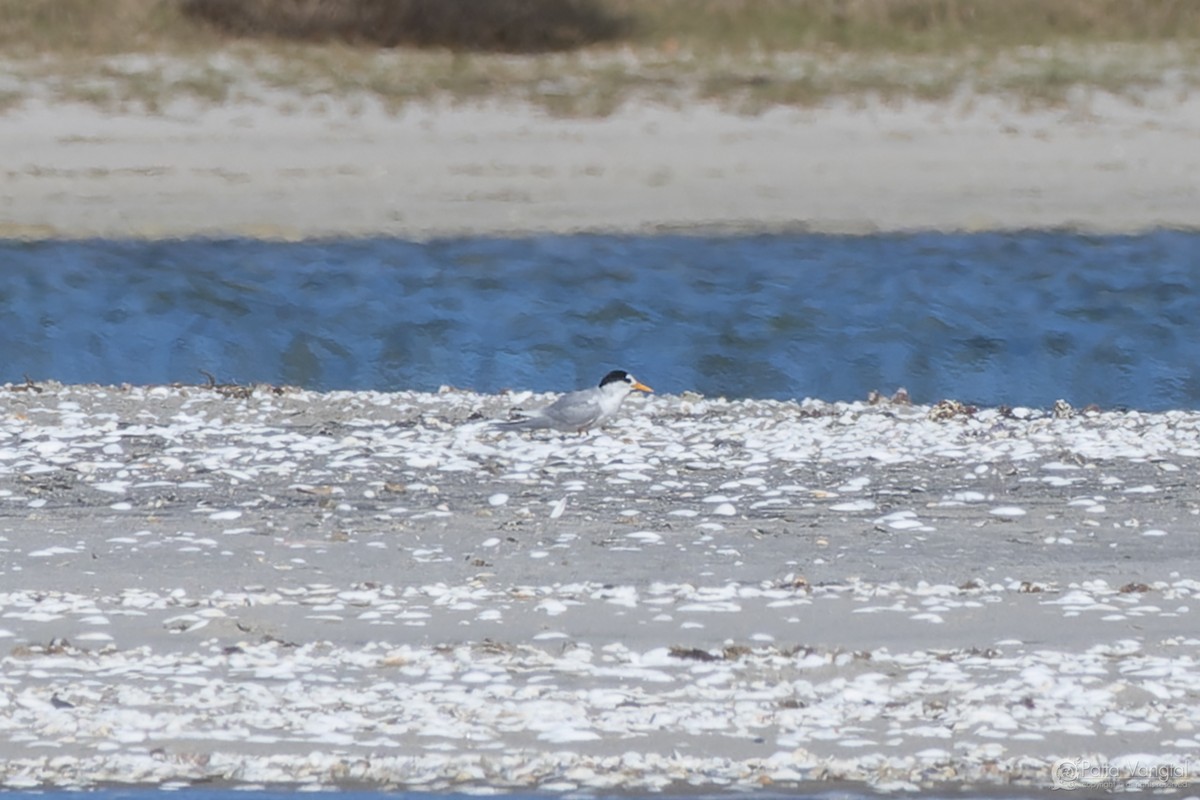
[(574, 410)]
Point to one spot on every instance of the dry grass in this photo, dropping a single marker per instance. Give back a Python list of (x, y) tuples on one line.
[(29, 27), (746, 54), (75, 28), (908, 26)]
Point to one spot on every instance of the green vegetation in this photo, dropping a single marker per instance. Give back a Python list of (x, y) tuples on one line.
[(589, 56)]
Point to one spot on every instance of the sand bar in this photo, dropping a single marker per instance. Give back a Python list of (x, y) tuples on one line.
[(368, 589), (292, 168)]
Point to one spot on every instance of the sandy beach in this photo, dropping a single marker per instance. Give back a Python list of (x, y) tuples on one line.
[(369, 589), (332, 168), (280, 587)]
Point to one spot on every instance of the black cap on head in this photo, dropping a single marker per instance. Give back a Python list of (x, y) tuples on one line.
[(614, 376)]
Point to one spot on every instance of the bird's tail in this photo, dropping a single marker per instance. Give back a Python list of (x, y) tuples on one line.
[(521, 424)]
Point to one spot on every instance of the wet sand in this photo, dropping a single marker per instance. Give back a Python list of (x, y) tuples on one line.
[(380, 590)]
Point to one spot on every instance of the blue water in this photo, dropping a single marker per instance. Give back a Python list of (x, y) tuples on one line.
[(1016, 318)]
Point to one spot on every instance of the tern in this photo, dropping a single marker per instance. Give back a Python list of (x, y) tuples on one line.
[(575, 412)]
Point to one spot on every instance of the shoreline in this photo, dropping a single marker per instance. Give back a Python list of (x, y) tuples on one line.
[(373, 589), (1101, 164)]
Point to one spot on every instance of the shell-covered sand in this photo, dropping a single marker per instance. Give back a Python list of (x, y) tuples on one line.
[(275, 586)]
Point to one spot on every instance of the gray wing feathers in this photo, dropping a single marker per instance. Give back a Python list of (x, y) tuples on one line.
[(572, 411), (568, 413)]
